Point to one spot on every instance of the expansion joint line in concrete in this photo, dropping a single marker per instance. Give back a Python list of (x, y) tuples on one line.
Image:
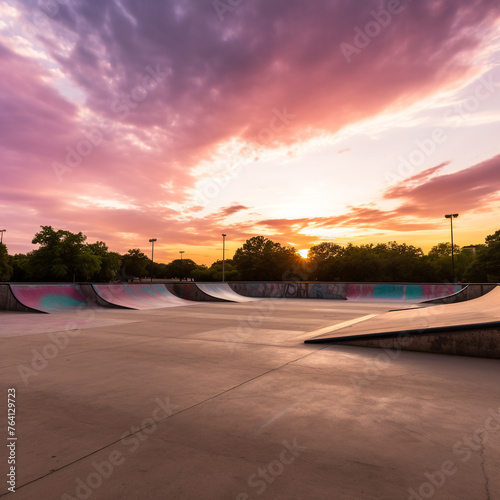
[(486, 481), (53, 471)]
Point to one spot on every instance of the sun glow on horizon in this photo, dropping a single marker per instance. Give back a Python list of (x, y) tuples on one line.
[(303, 253)]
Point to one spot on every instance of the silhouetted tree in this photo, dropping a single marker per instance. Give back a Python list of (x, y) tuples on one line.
[(6, 269), (442, 250), (394, 262), (440, 258), (321, 259), (201, 273), (263, 259), (214, 272), (110, 261), (135, 263), (61, 256), (19, 263), (181, 269), (160, 270), (486, 266)]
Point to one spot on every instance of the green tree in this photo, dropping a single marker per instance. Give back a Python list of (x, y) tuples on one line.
[(214, 272), (357, 263), (110, 262), (230, 271), (324, 251), (440, 259), (486, 266), (19, 263), (135, 263), (321, 261), (400, 249), (160, 270), (442, 250), (181, 269), (61, 256), (399, 262), (493, 238), (391, 262), (201, 273), (263, 259), (6, 269)]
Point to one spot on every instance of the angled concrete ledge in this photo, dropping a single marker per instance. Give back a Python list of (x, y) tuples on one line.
[(478, 340), (470, 328)]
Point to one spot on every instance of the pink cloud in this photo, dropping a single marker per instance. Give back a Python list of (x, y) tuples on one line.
[(424, 198), (268, 66), (233, 209), (466, 190)]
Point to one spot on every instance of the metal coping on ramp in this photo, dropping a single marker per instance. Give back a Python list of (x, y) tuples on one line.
[(469, 328), (223, 291), (139, 296)]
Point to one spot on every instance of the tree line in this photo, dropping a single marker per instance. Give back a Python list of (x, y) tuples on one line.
[(64, 256)]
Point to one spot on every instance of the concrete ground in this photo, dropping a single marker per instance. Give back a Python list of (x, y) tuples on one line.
[(224, 401)]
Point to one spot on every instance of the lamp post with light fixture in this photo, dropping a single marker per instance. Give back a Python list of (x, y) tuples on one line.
[(1, 235), (152, 241), (451, 217), (181, 252), (223, 258)]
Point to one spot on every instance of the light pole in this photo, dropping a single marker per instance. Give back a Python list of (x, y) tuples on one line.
[(451, 217), (152, 241), (223, 258), (1, 235), (181, 252)]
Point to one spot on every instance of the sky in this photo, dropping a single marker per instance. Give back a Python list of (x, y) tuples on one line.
[(359, 121)]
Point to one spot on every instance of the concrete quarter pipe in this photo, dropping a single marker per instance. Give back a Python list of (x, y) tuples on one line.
[(140, 296), (223, 291), (52, 298), (189, 291)]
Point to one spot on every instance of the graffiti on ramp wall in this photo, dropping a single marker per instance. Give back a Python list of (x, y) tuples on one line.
[(292, 290)]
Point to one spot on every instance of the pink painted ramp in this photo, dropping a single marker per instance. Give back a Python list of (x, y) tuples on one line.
[(52, 298), (139, 296)]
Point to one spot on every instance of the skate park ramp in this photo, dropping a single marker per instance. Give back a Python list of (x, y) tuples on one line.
[(413, 293), (140, 296), (223, 291), (469, 292), (53, 298), (470, 328), (8, 302), (189, 291)]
